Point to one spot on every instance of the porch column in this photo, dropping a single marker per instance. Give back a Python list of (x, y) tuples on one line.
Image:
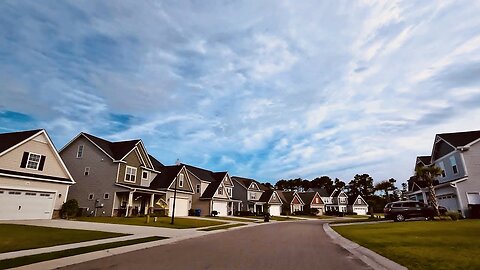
[(424, 195), (239, 206), (130, 204), (254, 208), (152, 200)]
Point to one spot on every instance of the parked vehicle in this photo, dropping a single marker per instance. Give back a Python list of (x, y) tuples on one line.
[(399, 211)]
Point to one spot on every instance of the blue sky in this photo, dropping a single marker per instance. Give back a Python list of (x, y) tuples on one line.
[(263, 89)]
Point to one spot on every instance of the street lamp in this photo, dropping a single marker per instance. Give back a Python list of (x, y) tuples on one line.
[(175, 193)]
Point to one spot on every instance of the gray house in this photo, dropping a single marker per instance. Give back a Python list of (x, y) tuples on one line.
[(458, 155), (114, 178), (249, 191), (357, 205)]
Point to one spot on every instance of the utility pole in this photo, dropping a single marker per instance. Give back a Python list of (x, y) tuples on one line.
[(175, 193)]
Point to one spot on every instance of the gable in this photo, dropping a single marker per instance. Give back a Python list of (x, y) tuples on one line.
[(440, 149), (38, 145), (343, 195), (187, 183), (317, 199), (224, 194), (227, 181), (133, 159), (295, 200), (254, 186), (274, 198)]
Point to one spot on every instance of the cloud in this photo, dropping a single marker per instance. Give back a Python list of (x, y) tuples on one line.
[(267, 90)]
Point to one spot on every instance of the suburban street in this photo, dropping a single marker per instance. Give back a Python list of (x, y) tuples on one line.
[(283, 245)]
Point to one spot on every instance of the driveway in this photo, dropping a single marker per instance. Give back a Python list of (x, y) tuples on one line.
[(283, 245)]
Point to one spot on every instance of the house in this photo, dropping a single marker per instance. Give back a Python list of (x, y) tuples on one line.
[(291, 202), (114, 178), (338, 202), (458, 155), (324, 195), (34, 181), (271, 202), (249, 192), (175, 182), (357, 205), (213, 191), (313, 202)]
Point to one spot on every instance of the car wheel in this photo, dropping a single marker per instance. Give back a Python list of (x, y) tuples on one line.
[(399, 217)]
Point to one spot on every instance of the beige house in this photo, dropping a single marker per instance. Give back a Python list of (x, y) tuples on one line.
[(34, 181)]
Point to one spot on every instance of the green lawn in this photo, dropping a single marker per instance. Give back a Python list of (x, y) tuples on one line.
[(356, 220), (233, 219), (19, 237), (276, 218), (222, 227), (16, 262), (180, 223), (422, 244), (317, 217)]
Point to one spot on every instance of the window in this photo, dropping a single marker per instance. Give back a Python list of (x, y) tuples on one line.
[(30, 193), (44, 195), (197, 188), (180, 180), (454, 164), (229, 191), (252, 196), (220, 191), (14, 193), (130, 174), (80, 151), (359, 201), (317, 200), (342, 200), (106, 196), (33, 161), (90, 196), (144, 175), (442, 166), (87, 171)]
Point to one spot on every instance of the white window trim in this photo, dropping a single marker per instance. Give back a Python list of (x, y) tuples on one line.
[(86, 172), (28, 160), (181, 179), (453, 162), (91, 195), (126, 173), (78, 151), (106, 196), (148, 174), (220, 191), (198, 188)]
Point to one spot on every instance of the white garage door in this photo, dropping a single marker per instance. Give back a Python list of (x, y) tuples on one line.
[(181, 207), (360, 210), (221, 208), (24, 204), (275, 210), (448, 202)]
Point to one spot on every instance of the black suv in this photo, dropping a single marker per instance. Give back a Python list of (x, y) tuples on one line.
[(399, 211)]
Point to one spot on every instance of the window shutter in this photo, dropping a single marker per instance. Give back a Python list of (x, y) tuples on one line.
[(24, 160), (42, 162)]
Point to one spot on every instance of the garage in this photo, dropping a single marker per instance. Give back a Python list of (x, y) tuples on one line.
[(449, 202), (26, 204), (275, 210), (221, 208), (360, 210), (181, 207)]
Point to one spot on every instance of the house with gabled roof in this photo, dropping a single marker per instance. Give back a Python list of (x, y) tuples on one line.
[(339, 201), (357, 205), (114, 178), (313, 202), (272, 203), (249, 192), (34, 181), (291, 202), (213, 191), (458, 155)]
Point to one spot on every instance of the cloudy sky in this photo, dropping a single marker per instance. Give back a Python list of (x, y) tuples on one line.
[(263, 89)]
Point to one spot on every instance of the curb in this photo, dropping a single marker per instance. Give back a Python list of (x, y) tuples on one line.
[(372, 259)]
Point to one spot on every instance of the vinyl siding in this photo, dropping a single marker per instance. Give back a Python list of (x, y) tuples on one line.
[(448, 167), (132, 161)]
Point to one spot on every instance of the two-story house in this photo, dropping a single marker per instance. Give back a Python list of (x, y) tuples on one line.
[(34, 181), (458, 155), (313, 202), (213, 191), (272, 203), (339, 201), (291, 202), (249, 192), (113, 177), (357, 205)]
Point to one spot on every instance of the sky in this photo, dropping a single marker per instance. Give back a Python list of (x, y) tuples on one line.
[(263, 89)]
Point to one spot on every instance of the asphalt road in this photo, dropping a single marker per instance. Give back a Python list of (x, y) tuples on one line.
[(288, 245)]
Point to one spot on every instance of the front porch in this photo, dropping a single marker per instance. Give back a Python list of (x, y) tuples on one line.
[(256, 207), (137, 203)]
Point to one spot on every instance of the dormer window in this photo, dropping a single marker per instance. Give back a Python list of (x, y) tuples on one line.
[(317, 200), (144, 175), (180, 180), (80, 151), (220, 191), (454, 164), (130, 174), (359, 201)]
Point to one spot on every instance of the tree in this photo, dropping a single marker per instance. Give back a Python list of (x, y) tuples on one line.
[(428, 175), (337, 185), (323, 182), (386, 186), (362, 184), (268, 185)]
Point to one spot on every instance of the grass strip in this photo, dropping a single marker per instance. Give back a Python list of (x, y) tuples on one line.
[(222, 227), (357, 220), (15, 237), (19, 261), (180, 223), (233, 219)]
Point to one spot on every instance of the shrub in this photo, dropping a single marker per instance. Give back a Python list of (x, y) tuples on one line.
[(453, 215), (214, 213), (69, 209), (244, 213)]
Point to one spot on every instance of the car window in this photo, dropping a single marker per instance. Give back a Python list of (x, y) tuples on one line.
[(396, 205), (409, 204)]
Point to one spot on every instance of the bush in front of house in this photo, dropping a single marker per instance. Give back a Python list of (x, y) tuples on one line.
[(69, 209), (244, 213), (453, 215)]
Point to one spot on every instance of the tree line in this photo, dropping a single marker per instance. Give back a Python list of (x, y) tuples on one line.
[(376, 195)]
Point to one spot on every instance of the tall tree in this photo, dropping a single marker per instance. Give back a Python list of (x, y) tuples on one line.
[(362, 184), (428, 174), (338, 184), (323, 182), (386, 186)]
